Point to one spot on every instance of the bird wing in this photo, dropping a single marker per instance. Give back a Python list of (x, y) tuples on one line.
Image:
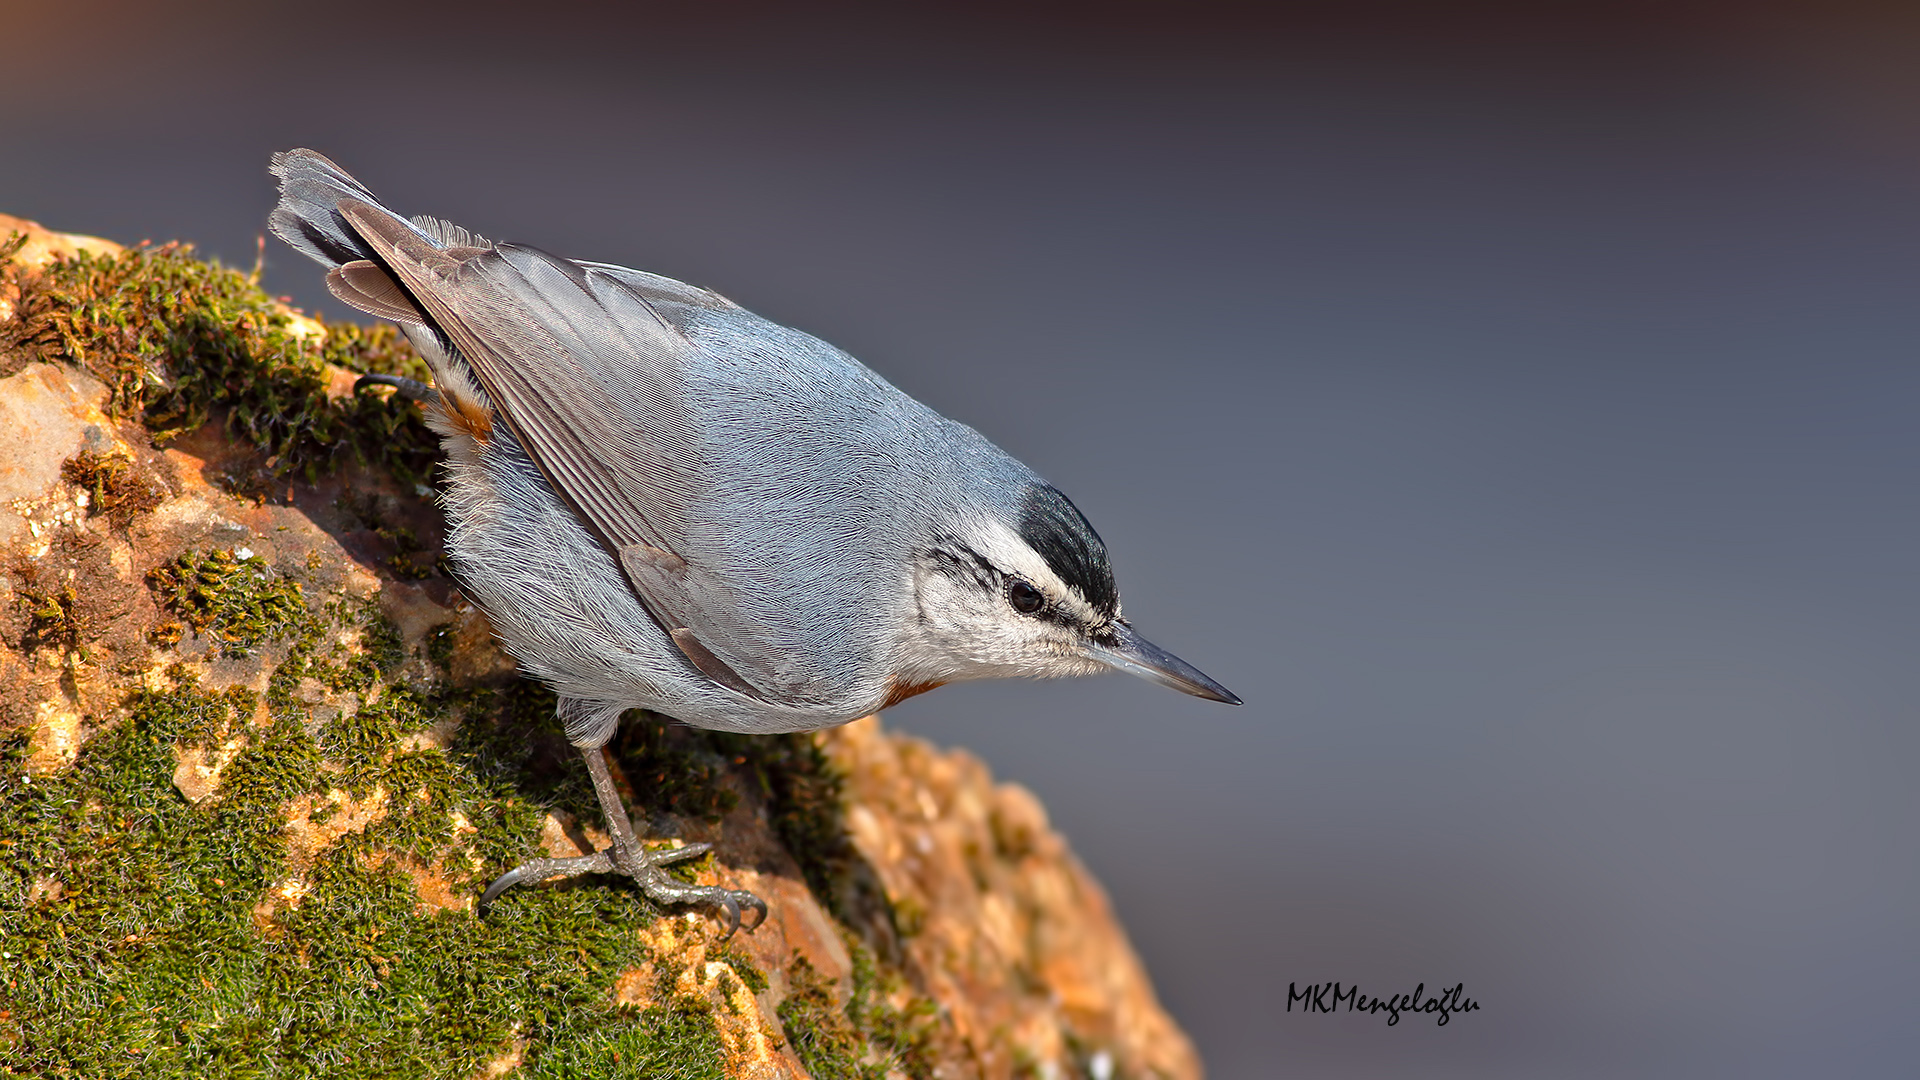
[(668, 297), (586, 372)]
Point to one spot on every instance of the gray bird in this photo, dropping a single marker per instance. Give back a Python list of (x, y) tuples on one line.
[(664, 501)]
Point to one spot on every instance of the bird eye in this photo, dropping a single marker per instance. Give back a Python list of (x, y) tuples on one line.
[(1025, 598)]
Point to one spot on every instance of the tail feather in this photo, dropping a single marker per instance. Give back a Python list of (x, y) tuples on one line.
[(308, 217)]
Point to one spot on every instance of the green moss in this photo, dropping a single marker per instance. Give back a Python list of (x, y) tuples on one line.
[(184, 714), (905, 1034), (361, 740), (865, 1037), (149, 936), (53, 618), (380, 640), (115, 485), (239, 599), (805, 799), (674, 769), (143, 934), (510, 736), (742, 964), (817, 1028), (180, 342), (137, 943), (379, 348), (671, 1041)]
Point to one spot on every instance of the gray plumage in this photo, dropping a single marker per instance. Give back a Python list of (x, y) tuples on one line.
[(662, 500)]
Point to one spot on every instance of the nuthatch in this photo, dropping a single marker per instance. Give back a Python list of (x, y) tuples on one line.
[(664, 501)]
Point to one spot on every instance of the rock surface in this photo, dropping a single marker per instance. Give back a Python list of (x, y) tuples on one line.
[(257, 759)]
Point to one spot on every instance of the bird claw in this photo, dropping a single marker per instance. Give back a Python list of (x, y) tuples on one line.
[(410, 389), (600, 862), (644, 867), (731, 902), (667, 856)]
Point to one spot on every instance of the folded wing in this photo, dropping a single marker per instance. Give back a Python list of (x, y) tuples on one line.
[(586, 371)]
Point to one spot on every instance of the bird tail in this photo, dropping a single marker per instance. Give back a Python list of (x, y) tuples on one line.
[(308, 217)]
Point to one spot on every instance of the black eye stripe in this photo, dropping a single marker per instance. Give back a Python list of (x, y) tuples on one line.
[(962, 564)]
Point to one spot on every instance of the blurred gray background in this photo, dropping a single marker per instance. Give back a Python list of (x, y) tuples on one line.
[(1517, 409)]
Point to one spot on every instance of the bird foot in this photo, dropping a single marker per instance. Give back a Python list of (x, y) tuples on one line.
[(644, 867)]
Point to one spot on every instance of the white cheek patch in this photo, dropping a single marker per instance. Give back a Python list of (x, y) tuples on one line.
[(964, 633), (1005, 549)]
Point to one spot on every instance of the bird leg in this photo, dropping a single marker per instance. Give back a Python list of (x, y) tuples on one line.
[(628, 857)]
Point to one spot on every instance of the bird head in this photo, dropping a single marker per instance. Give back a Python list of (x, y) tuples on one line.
[(1023, 588)]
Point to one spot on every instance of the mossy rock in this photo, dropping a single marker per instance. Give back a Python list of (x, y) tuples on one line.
[(257, 759)]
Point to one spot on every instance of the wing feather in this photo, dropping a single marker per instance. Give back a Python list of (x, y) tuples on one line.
[(586, 372)]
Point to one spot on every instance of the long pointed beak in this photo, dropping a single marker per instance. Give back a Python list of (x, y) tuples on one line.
[(1123, 649)]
